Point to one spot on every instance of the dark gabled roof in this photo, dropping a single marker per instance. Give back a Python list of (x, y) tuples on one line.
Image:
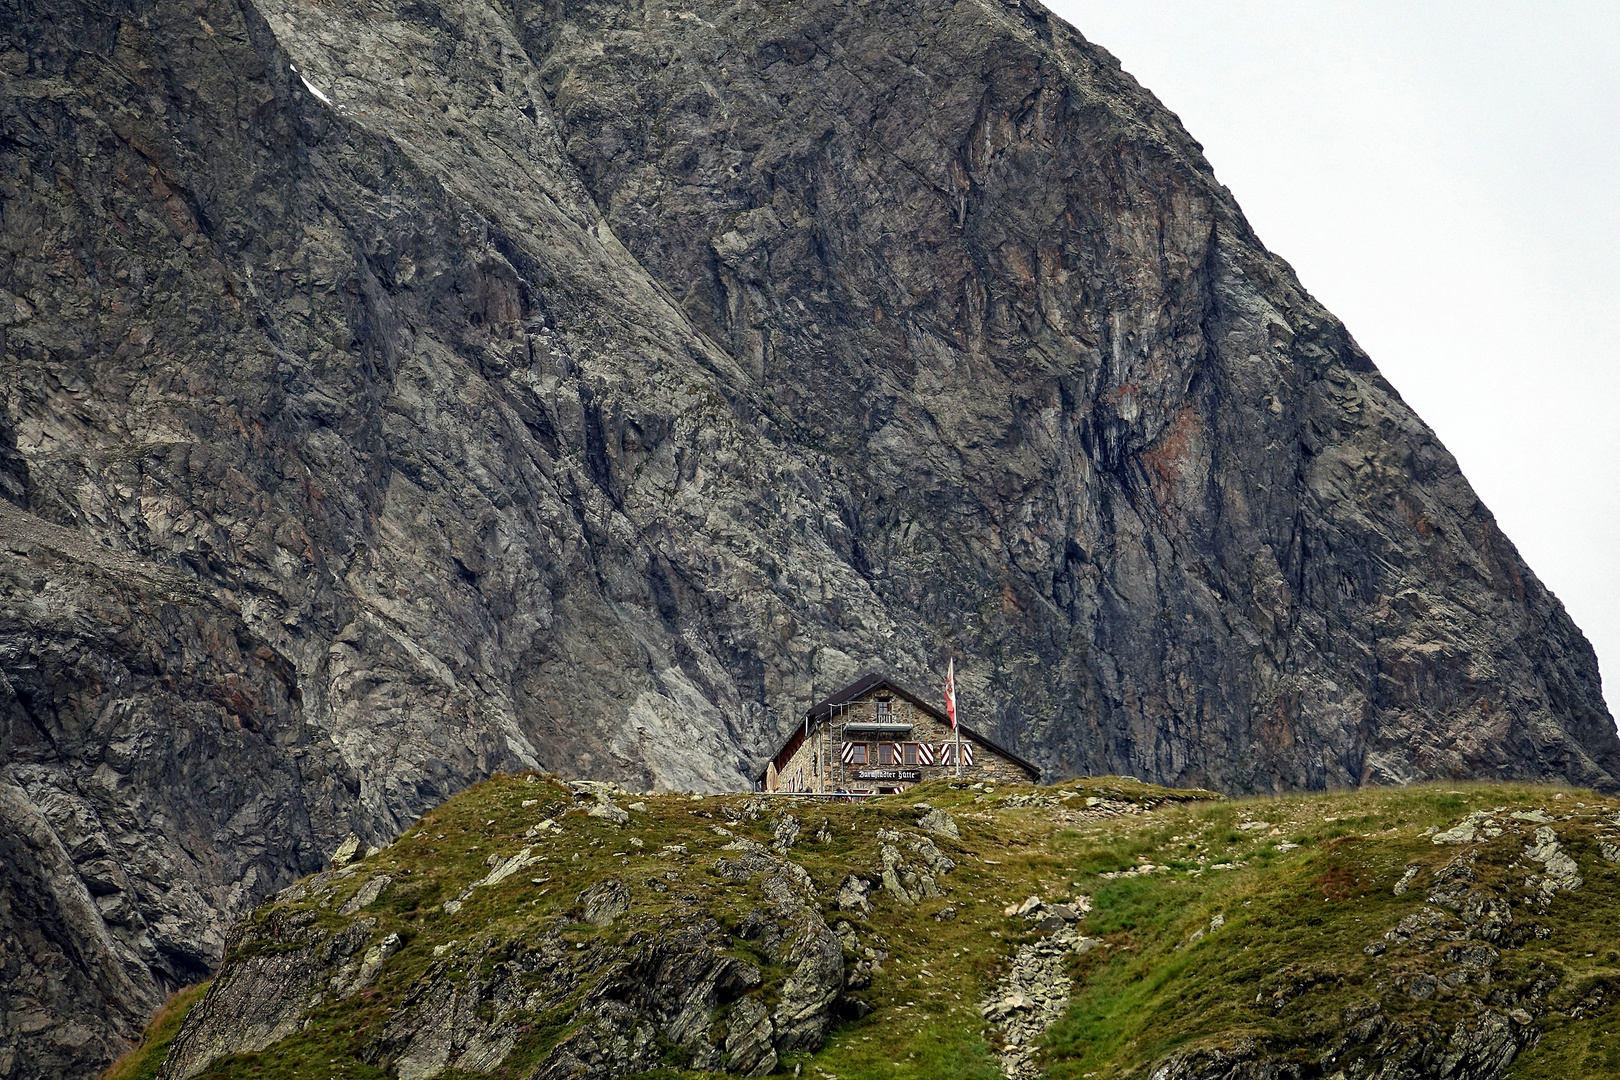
[(783, 755), (872, 680)]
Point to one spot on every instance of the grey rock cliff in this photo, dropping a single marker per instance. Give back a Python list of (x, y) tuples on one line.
[(397, 392)]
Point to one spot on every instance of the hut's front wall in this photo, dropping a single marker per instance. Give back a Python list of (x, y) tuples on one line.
[(920, 754)]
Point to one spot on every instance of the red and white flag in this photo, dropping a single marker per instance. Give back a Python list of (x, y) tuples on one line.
[(950, 692)]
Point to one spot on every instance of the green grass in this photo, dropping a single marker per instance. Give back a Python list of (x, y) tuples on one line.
[(1298, 898), (1304, 917), (142, 1062)]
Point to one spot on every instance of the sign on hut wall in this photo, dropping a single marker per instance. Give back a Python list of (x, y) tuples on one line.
[(888, 774)]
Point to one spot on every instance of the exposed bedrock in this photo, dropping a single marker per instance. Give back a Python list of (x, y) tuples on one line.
[(397, 392)]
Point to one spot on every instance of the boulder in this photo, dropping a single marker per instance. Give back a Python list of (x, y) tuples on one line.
[(939, 823), (603, 902)]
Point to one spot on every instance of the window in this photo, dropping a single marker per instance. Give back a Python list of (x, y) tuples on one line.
[(883, 710), (911, 753), (854, 753), (886, 753)]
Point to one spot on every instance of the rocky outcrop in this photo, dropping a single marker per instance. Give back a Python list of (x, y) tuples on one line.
[(1478, 1050), (1451, 945), (622, 1004), (396, 393)]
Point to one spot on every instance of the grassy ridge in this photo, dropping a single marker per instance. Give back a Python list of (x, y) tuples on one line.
[(1254, 921)]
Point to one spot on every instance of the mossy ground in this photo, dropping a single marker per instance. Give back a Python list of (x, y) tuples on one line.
[(1299, 892)]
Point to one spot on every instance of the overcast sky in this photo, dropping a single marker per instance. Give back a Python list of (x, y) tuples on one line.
[(1445, 177)]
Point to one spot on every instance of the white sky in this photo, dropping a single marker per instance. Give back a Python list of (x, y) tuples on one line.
[(1445, 177)]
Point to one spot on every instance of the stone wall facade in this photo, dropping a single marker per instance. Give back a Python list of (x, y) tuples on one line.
[(804, 769)]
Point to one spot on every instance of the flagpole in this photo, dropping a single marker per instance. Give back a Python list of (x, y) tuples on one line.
[(959, 750), (956, 724)]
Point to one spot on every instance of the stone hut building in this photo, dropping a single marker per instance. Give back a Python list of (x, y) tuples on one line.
[(876, 737)]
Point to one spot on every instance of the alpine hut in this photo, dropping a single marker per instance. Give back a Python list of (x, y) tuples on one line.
[(875, 737)]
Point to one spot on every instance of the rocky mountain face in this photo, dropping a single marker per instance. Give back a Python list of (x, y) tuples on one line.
[(397, 392)]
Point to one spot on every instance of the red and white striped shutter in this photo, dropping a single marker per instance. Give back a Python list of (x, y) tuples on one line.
[(967, 752), (848, 754), (945, 753), (925, 753)]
